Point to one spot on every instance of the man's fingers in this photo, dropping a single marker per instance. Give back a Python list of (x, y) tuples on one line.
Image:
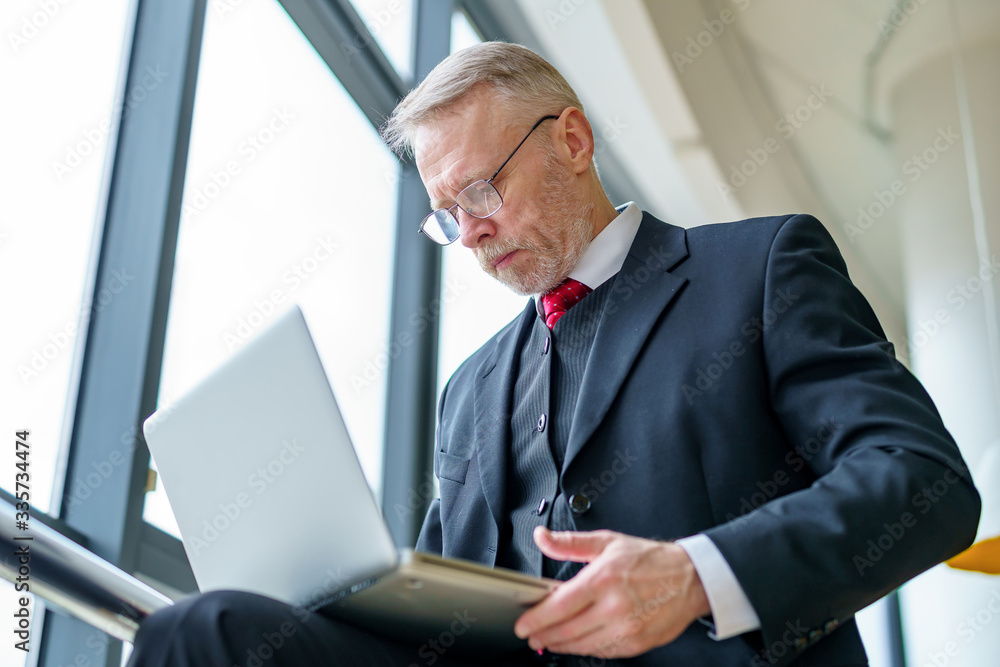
[(602, 643), (573, 631), (581, 547), (560, 605)]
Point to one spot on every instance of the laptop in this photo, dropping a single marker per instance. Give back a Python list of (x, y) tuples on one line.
[(270, 497)]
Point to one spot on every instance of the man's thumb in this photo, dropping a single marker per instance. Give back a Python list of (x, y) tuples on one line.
[(581, 547)]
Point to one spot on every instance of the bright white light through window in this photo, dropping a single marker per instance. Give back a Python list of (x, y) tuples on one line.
[(290, 196)]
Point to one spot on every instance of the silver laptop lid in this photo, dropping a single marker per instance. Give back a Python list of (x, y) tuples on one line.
[(260, 472)]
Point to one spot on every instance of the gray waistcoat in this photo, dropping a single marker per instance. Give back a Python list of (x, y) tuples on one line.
[(545, 392)]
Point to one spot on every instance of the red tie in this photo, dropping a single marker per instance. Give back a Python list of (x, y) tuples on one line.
[(566, 295)]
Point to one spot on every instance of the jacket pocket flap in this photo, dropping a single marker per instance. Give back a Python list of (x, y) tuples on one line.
[(452, 467)]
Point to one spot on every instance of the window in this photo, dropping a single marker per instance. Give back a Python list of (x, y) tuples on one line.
[(390, 22), (290, 196), (60, 65), (463, 34)]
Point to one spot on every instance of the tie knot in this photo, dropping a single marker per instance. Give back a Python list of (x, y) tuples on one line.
[(565, 295)]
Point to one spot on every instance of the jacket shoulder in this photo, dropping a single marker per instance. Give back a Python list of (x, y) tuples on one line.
[(762, 229), (753, 237)]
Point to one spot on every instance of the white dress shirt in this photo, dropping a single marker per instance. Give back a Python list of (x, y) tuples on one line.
[(731, 610)]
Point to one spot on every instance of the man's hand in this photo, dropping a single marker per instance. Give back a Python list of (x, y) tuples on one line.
[(634, 595)]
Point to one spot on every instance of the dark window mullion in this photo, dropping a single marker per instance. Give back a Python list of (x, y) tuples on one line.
[(412, 389), (332, 26)]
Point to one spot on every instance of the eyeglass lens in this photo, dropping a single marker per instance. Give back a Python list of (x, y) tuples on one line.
[(480, 200)]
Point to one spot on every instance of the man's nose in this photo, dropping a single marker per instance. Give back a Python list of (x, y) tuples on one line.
[(474, 231)]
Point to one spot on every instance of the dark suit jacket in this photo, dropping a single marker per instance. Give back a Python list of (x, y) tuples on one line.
[(739, 386)]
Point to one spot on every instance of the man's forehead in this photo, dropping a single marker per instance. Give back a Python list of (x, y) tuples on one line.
[(447, 182), (455, 150), (474, 125), (479, 119)]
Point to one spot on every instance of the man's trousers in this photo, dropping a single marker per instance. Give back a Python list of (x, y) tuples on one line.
[(240, 629)]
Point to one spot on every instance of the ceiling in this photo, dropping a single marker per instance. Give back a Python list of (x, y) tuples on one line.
[(704, 88), (817, 78)]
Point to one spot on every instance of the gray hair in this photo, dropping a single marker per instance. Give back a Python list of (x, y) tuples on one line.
[(525, 84)]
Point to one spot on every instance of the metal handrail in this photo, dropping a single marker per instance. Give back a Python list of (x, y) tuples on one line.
[(75, 580)]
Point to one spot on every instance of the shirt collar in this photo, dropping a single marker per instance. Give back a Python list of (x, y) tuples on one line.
[(606, 253)]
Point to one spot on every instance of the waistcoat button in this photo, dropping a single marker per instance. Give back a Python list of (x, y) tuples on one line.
[(579, 503)]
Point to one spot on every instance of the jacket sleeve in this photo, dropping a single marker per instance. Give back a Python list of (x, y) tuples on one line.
[(429, 540), (892, 496)]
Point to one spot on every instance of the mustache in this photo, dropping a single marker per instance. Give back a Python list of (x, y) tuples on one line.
[(489, 254)]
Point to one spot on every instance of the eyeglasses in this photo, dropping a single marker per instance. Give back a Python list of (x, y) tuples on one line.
[(479, 199)]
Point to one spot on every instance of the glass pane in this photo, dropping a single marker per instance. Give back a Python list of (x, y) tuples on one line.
[(390, 22), (290, 196), (462, 32), (60, 66), (59, 70)]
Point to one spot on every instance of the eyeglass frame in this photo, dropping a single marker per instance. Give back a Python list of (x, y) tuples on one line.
[(488, 181)]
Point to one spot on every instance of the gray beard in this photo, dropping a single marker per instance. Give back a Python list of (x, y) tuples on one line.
[(551, 265), (554, 254)]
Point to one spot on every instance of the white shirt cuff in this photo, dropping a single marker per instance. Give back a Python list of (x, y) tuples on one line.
[(731, 610)]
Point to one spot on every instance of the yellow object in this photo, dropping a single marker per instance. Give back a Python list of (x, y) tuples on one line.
[(980, 557), (984, 554)]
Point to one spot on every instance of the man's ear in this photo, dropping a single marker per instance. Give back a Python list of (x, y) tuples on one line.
[(577, 136)]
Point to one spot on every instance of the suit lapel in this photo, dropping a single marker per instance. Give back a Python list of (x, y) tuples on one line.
[(494, 392), (642, 290)]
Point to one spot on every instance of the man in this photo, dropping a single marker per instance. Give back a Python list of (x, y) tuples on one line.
[(700, 431)]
